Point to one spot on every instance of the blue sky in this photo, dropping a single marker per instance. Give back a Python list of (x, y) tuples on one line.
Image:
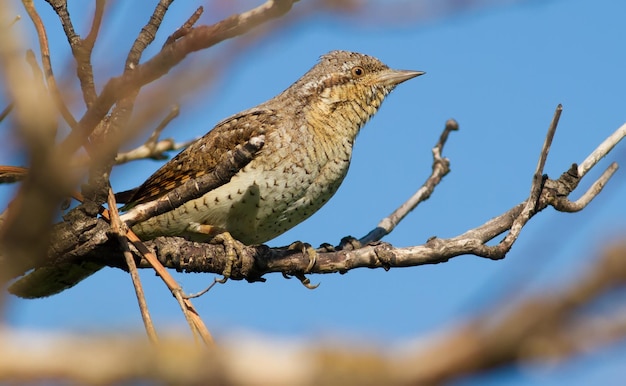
[(500, 70)]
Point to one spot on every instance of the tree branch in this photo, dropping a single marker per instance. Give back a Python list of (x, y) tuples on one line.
[(197, 39), (543, 326)]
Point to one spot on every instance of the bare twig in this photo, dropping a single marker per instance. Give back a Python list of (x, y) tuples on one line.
[(45, 59), (153, 148), (119, 231), (530, 207), (602, 150), (6, 111), (441, 167), (81, 48), (90, 40), (191, 315), (199, 38), (186, 27), (563, 204)]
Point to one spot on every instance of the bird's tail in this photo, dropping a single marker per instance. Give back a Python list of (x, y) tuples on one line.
[(47, 281)]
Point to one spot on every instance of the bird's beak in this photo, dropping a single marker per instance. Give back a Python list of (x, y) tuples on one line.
[(395, 77)]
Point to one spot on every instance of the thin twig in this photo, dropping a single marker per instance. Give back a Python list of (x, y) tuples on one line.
[(152, 151), (153, 148), (186, 27), (90, 40), (191, 315), (199, 38), (563, 204), (441, 167), (81, 49), (200, 293), (499, 251), (116, 226), (181, 299), (197, 325), (47, 65), (602, 150), (174, 112), (6, 111), (15, 20)]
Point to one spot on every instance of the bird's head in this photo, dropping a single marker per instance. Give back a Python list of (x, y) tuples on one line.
[(344, 89)]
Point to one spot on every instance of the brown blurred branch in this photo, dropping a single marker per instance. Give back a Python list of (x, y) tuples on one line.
[(81, 48), (197, 39), (25, 232), (540, 327), (45, 59)]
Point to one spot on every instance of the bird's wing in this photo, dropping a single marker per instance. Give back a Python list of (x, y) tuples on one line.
[(204, 155)]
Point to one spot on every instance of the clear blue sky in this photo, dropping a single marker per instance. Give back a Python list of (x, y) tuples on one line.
[(500, 70)]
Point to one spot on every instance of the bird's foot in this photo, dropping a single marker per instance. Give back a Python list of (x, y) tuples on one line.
[(232, 247), (311, 253), (349, 243)]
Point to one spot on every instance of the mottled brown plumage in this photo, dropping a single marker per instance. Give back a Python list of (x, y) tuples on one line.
[(309, 131)]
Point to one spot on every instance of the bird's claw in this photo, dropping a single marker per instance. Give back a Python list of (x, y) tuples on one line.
[(311, 253), (306, 282), (232, 248), (308, 250)]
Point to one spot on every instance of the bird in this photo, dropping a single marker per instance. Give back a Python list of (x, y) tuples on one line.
[(309, 132)]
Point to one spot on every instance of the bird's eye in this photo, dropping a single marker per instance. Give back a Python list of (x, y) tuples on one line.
[(358, 71)]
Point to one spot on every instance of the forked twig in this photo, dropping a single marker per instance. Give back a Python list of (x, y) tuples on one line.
[(186, 27), (499, 251), (117, 228)]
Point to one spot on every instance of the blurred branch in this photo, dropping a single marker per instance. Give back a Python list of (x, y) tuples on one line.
[(6, 111), (81, 48), (26, 228), (538, 328), (197, 39), (541, 327), (47, 66)]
